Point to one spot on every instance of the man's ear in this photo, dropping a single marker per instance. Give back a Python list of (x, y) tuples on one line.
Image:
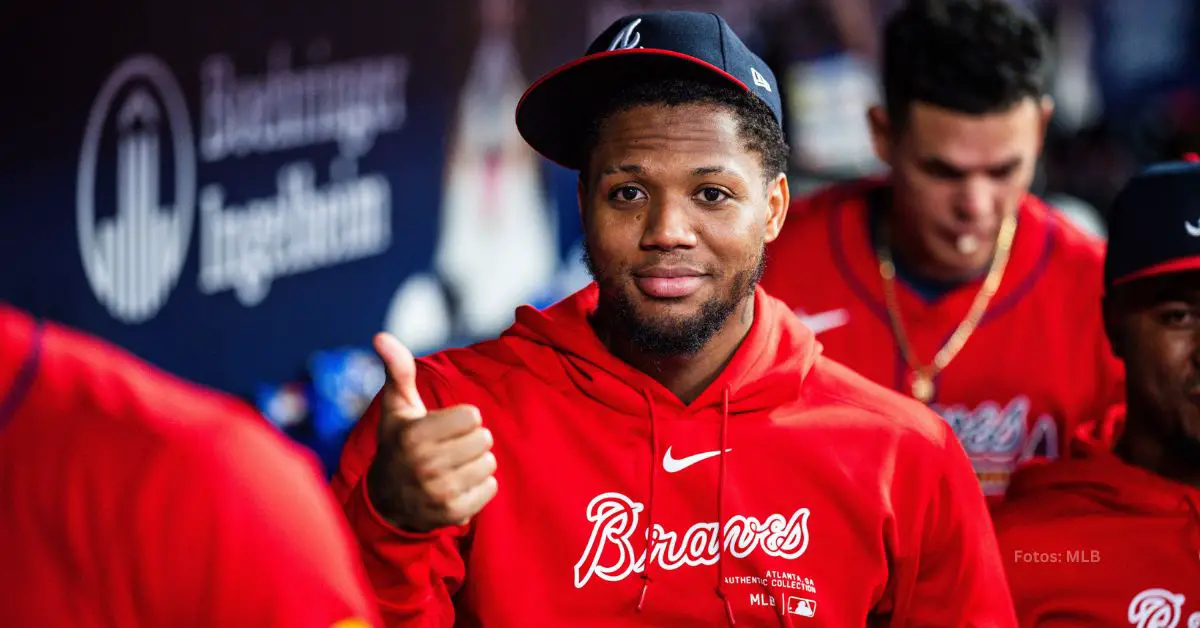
[(779, 198), (1046, 112), (882, 132)]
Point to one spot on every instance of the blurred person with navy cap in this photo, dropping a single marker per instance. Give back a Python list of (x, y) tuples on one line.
[(1113, 535), (666, 446)]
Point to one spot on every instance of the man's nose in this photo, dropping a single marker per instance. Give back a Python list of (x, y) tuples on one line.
[(974, 200), (669, 225)]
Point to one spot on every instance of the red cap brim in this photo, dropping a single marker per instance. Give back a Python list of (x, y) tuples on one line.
[(1180, 265)]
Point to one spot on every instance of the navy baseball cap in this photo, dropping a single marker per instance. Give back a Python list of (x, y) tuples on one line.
[(1154, 223), (554, 113)]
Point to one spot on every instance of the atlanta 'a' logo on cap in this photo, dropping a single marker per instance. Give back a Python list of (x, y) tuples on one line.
[(627, 37)]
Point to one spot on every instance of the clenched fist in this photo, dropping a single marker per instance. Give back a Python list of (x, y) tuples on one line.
[(431, 469)]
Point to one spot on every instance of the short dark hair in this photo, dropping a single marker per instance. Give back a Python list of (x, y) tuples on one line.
[(757, 126), (969, 56)]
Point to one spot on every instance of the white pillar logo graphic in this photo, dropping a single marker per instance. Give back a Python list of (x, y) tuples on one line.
[(133, 259)]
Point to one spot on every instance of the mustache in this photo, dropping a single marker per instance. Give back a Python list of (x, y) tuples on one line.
[(665, 258), (668, 260)]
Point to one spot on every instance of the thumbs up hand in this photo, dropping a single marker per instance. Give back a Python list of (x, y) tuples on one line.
[(431, 469)]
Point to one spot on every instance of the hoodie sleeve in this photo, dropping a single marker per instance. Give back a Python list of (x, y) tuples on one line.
[(951, 573), (414, 575)]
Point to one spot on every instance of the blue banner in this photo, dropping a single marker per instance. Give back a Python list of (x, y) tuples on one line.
[(229, 189)]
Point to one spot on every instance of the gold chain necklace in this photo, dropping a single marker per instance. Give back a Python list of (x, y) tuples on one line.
[(922, 375)]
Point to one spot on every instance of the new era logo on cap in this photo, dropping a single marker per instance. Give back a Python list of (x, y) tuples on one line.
[(555, 110), (760, 80)]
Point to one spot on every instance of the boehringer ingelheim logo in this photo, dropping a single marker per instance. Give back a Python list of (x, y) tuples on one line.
[(134, 259)]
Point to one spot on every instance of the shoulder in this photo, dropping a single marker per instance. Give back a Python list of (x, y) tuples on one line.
[(838, 388), (1074, 262), (906, 451), (1073, 248), (107, 390), (150, 435), (478, 370)]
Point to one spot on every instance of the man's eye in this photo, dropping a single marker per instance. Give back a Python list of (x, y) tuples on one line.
[(626, 194), (712, 195), (1178, 317)]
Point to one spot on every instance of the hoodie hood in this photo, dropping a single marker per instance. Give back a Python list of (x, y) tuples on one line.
[(1098, 476), (1096, 481), (1099, 434), (766, 371)]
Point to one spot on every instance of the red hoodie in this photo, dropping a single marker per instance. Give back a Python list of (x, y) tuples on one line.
[(1036, 366), (131, 498), (832, 501), (1094, 541)]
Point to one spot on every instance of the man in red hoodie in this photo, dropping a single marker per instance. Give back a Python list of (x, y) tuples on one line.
[(945, 279), (667, 446), (131, 498), (1113, 537)]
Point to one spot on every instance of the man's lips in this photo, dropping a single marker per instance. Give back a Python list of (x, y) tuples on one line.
[(669, 282)]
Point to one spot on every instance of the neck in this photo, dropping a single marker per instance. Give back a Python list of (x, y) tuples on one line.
[(1159, 454), (687, 376)]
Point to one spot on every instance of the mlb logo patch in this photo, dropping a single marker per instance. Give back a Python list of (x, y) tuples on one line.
[(801, 606)]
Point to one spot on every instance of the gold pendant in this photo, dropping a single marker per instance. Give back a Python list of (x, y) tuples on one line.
[(922, 387)]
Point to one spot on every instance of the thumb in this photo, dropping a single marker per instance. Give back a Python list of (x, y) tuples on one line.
[(400, 396)]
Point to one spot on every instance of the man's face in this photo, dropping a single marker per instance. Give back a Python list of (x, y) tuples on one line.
[(956, 177), (676, 216), (1155, 327)]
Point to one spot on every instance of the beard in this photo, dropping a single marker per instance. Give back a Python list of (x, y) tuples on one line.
[(1183, 438), (1170, 423), (671, 336)]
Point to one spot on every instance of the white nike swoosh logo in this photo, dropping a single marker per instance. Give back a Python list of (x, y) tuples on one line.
[(672, 465), (1193, 230), (824, 321)]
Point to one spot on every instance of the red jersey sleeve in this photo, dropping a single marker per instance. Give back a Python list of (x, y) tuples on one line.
[(414, 576), (956, 575), (266, 541)]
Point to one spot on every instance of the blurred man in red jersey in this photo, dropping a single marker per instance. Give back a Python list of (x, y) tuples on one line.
[(131, 498), (1113, 537), (947, 280), (667, 446)]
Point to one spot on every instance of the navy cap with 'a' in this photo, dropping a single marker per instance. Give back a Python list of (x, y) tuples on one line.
[(555, 111), (1154, 223)]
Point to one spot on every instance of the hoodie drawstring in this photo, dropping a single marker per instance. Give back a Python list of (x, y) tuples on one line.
[(720, 515), (651, 533)]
